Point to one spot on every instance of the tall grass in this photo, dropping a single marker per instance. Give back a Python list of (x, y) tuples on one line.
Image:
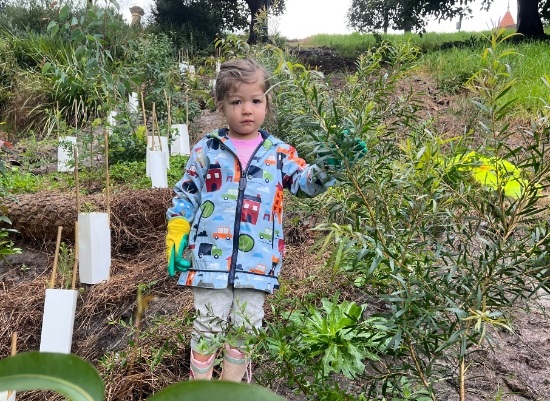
[(454, 66)]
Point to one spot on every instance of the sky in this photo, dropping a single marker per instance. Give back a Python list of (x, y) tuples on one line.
[(305, 18)]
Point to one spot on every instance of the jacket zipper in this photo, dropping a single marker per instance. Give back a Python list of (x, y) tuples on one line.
[(237, 226)]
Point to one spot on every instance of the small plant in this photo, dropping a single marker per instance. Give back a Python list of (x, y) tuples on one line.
[(127, 144), (65, 265), (88, 207), (6, 244)]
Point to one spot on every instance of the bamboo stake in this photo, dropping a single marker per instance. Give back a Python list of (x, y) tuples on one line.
[(76, 181), (54, 270), (168, 107), (13, 343), (75, 266), (155, 121), (107, 189), (187, 108), (57, 117), (144, 113), (75, 119)]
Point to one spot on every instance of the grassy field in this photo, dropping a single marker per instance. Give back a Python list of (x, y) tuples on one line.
[(455, 57)]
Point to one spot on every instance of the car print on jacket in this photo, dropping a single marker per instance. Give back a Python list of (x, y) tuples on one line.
[(237, 210), (258, 172), (223, 232)]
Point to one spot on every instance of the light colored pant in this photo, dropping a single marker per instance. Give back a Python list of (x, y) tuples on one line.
[(220, 310)]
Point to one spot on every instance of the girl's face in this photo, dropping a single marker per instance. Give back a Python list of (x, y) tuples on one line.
[(245, 109)]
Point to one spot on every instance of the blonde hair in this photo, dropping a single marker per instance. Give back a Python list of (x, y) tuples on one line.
[(237, 71)]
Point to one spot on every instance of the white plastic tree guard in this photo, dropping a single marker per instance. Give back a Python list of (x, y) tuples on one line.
[(218, 67), (94, 247), (58, 321), (185, 67), (154, 144), (65, 153), (111, 121), (133, 102), (159, 175), (180, 140), (7, 395)]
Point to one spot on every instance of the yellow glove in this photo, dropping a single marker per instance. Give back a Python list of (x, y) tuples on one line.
[(177, 239)]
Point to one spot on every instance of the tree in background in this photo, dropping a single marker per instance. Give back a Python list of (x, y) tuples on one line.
[(258, 28), (397, 14), (197, 23), (367, 15), (204, 20)]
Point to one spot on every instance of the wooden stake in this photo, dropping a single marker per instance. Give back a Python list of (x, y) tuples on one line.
[(168, 107), (54, 270), (75, 266), (76, 182), (187, 108), (75, 119), (144, 113), (57, 117), (107, 189), (13, 343), (155, 121)]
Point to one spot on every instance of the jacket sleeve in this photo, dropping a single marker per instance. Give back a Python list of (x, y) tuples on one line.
[(302, 179), (188, 190)]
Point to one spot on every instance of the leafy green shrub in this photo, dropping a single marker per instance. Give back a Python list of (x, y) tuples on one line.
[(177, 169), (130, 174), (27, 16), (126, 145), (448, 257)]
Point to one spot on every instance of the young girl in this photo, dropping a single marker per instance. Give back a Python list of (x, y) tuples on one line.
[(229, 209)]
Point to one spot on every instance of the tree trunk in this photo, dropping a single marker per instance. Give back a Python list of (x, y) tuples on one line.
[(529, 22), (255, 6)]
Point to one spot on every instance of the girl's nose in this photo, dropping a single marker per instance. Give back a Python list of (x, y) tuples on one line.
[(246, 108)]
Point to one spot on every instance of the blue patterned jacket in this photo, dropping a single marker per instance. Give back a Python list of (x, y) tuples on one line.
[(236, 212)]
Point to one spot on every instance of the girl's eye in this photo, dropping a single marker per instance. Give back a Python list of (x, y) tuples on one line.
[(257, 101), (236, 102)]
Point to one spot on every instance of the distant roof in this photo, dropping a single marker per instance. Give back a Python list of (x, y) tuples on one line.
[(507, 21)]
